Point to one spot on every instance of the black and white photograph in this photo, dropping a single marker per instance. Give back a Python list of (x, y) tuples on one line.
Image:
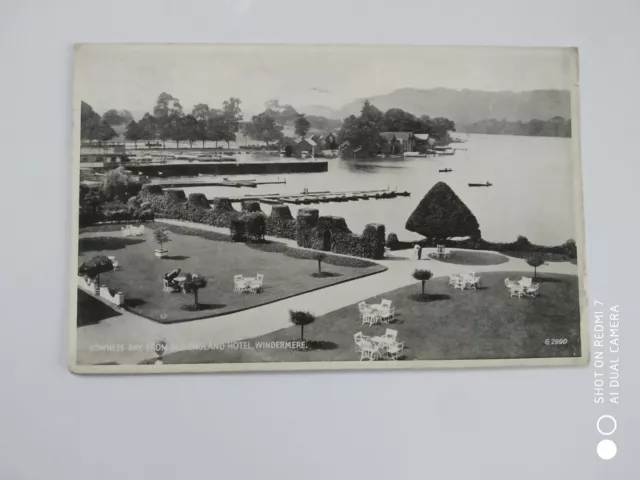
[(325, 207)]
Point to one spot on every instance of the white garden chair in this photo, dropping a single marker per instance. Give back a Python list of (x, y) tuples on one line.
[(469, 281), (238, 284), (453, 279), (516, 290), (165, 286), (531, 291), (369, 351), (395, 350), (370, 318), (362, 308), (125, 231), (361, 341), (460, 283), (525, 282), (255, 286), (387, 315), (390, 335), (386, 304)]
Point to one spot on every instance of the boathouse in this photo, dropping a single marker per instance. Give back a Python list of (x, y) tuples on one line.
[(422, 142), (397, 142), (305, 145)]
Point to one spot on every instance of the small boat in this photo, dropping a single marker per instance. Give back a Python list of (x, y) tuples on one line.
[(480, 184), (446, 170)]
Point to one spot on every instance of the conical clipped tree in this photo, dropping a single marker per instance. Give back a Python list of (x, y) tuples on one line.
[(441, 215)]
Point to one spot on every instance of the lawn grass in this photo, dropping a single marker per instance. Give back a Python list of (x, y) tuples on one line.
[(140, 276), (469, 257), (454, 325)]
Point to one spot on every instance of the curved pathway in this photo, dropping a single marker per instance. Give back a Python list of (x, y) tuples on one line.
[(131, 329)]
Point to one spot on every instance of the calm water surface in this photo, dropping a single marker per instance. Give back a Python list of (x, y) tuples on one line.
[(532, 192)]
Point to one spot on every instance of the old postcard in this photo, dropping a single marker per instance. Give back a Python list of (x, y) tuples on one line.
[(280, 207)]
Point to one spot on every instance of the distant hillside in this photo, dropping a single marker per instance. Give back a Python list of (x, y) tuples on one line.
[(467, 106)]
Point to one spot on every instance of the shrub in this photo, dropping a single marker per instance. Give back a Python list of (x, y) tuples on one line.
[(422, 276), (441, 214), (161, 236), (319, 257), (255, 225), (192, 284), (120, 185), (94, 267), (535, 261), (301, 318), (237, 229), (392, 240), (570, 248)]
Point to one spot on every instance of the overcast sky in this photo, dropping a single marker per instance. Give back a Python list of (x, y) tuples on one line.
[(132, 76)]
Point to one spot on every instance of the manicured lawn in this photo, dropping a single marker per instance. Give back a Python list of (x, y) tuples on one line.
[(454, 325), (140, 277), (469, 257)]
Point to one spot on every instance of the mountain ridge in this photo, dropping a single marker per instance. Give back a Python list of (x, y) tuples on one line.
[(462, 106)]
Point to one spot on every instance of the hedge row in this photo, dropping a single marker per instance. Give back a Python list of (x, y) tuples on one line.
[(521, 248), (114, 213), (281, 223), (174, 204), (314, 232)]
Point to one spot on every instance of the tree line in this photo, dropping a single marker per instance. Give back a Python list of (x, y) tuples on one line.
[(554, 127), (169, 122), (363, 132)]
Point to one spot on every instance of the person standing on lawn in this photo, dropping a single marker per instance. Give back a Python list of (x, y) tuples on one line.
[(419, 252)]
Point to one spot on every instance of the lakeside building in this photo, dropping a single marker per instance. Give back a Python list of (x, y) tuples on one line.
[(396, 143), (307, 145)]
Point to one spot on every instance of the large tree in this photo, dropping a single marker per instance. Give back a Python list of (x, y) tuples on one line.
[(363, 132), (231, 118), (148, 127), (105, 132), (166, 112), (302, 125), (263, 127), (133, 132), (201, 113), (191, 129), (89, 122), (441, 215), (115, 117)]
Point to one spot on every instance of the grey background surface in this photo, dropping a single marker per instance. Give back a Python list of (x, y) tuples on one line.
[(500, 424)]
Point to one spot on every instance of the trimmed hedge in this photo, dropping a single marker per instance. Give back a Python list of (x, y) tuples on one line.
[(521, 248), (313, 230), (280, 223), (308, 229)]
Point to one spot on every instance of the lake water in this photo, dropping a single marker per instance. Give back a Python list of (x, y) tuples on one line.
[(532, 192)]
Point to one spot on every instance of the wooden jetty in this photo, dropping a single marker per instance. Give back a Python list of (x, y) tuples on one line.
[(216, 183), (308, 198)]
